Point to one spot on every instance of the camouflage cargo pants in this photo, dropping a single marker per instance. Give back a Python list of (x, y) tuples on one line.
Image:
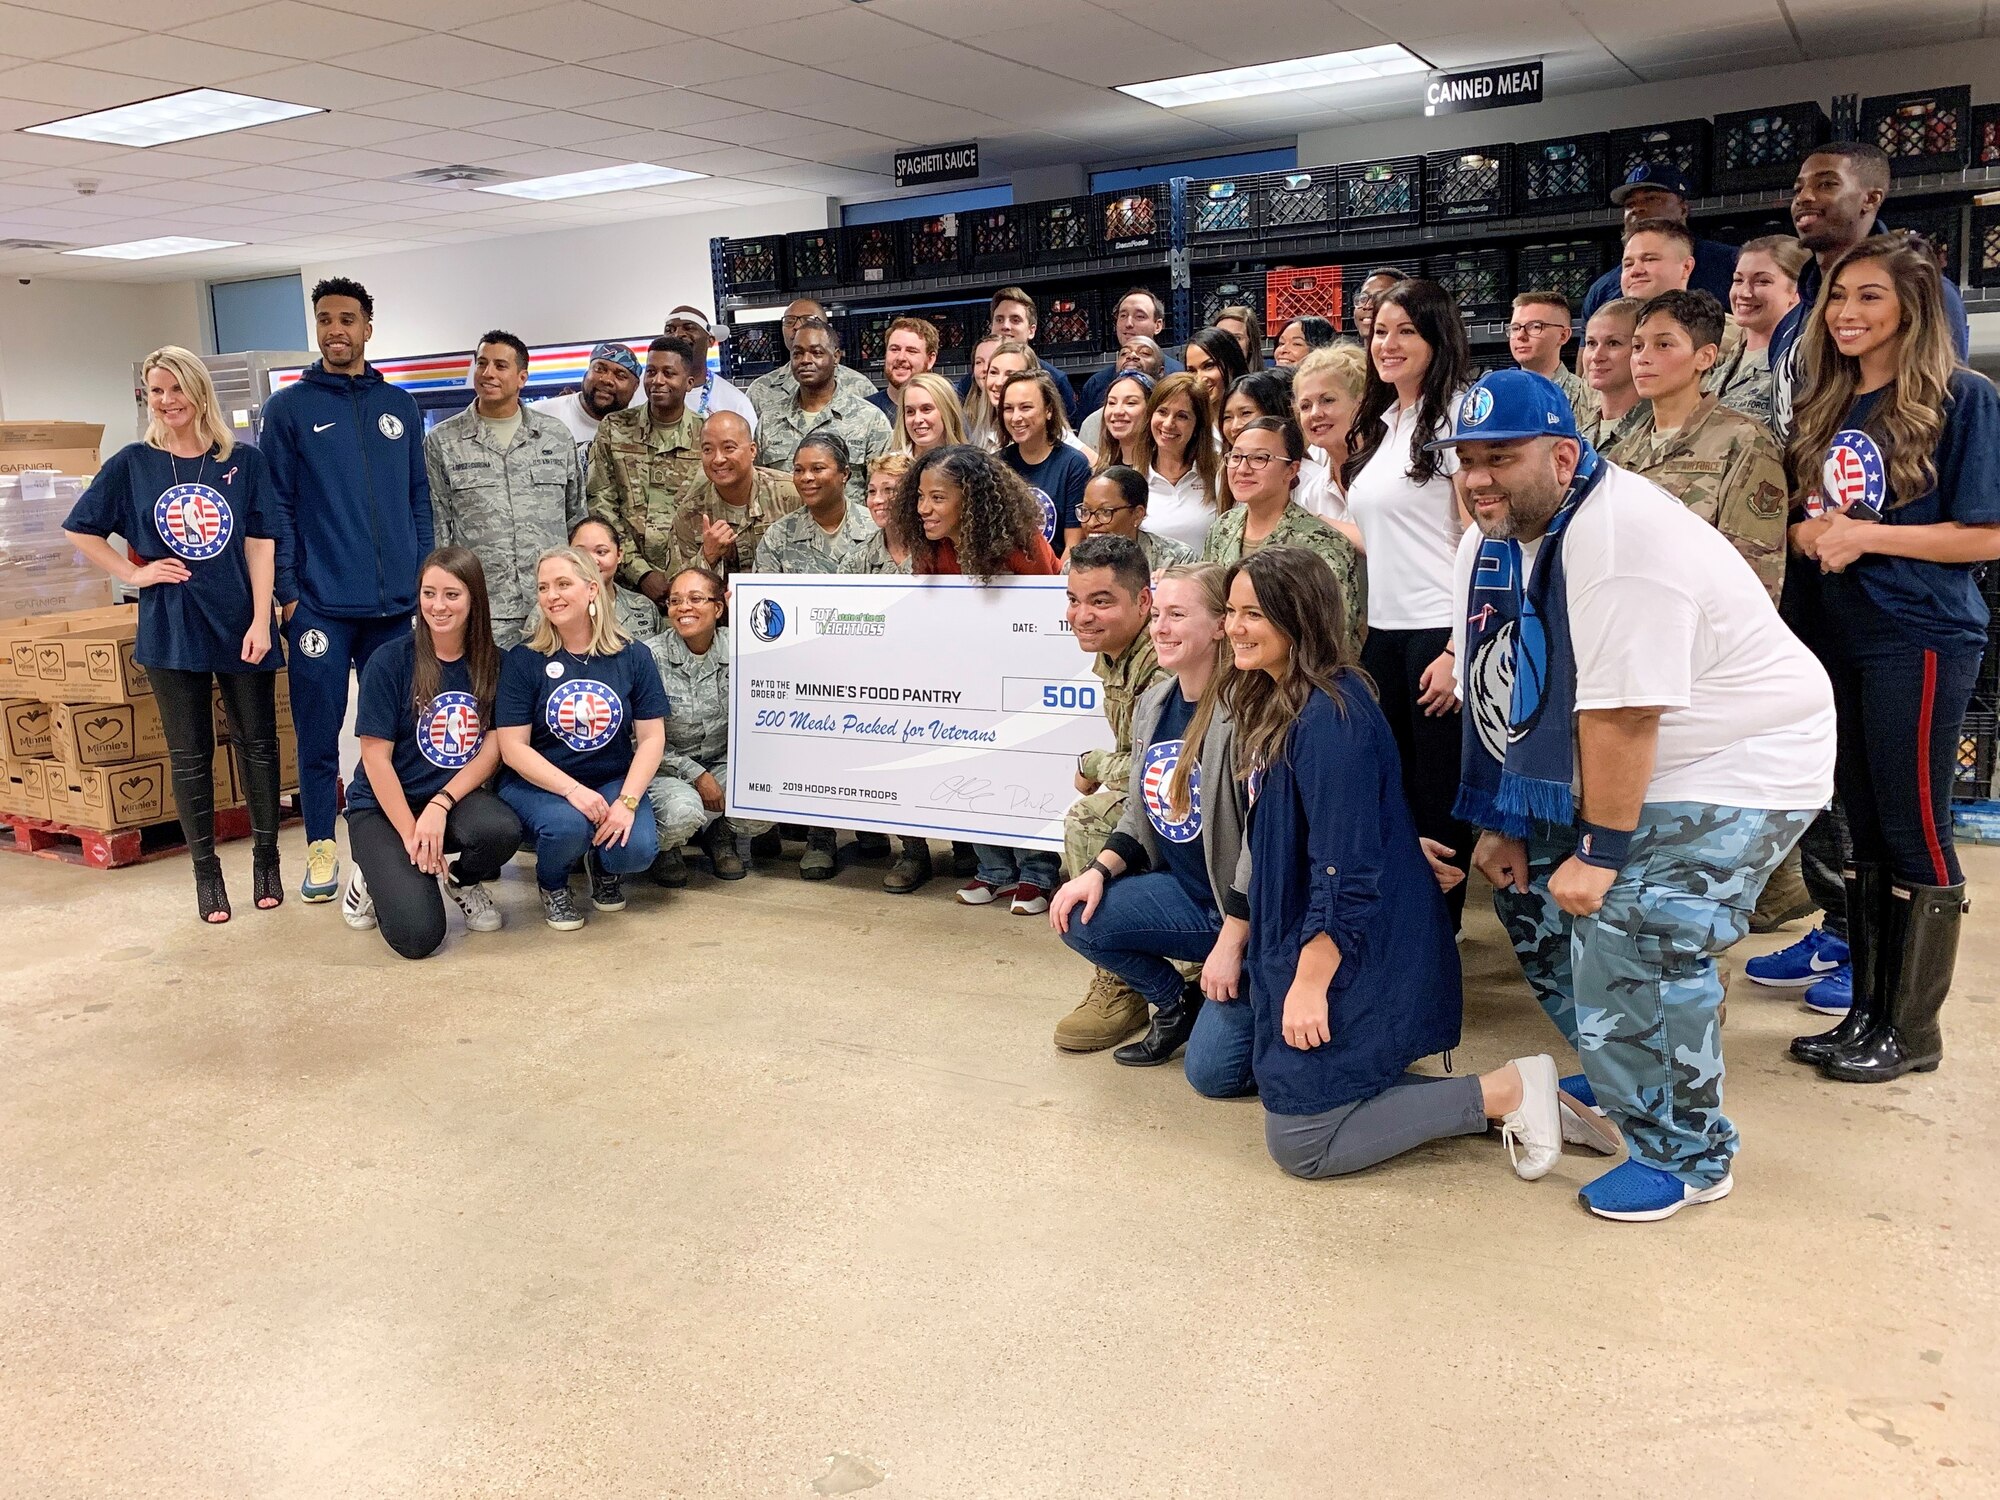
[(1088, 823), (1634, 988)]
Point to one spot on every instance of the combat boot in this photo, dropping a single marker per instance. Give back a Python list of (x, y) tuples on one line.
[(1111, 1012), (1906, 1037), (1867, 895), (912, 871), (1785, 898), (718, 841)]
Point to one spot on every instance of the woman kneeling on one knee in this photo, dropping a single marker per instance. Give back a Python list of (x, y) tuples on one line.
[(421, 823), (1352, 972), (693, 657), (581, 721)]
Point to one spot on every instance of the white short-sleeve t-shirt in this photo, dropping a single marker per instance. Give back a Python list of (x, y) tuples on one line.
[(1409, 531), (1665, 613), (1178, 509), (1316, 492)]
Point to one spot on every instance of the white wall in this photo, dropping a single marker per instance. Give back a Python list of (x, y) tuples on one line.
[(67, 347)]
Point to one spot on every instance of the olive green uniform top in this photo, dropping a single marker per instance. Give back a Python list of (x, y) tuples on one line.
[(1744, 383), (1727, 469), (1582, 399), (1601, 434), (1161, 552), (639, 470), (1125, 677), (771, 496), (1298, 527), (782, 424), (797, 543), (874, 558), (698, 704), (782, 385)]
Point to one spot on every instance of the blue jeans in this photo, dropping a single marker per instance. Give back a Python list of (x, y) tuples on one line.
[(1143, 921), (1002, 867), (1217, 1060), (561, 835)]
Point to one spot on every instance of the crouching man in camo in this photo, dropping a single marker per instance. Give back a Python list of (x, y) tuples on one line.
[(1643, 743), (1110, 603)]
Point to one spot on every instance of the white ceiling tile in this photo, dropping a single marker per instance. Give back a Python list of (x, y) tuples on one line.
[(445, 110), (698, 17), (339, 128), (852, 32), (687, 63), (548, 163), (399, 194), (432, 60), (957, 18), (79, 88), (67, 178), (574, 32), (21, 153), (732, 161), (564, 87), (839, 146), (251, 146), (173, 59), (553, 127), (756, 129), (41, 33), (194, 191), (25, 195), (328, 87), (660, 147), (444, 147), (143, 15), (277, 179), (286, 28), (1096, 47), (667, 109), (815, 178), (434, 15), (375, 166)]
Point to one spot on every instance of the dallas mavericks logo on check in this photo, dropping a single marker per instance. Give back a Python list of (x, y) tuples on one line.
[(194, 521), (1853, 478), (1477, 408), (584, 714), (450, 733), (1154, 775), (767, 619), (1048, 514)]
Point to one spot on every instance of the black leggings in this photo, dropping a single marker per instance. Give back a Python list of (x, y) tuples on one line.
[(409, 907), (187, 716), (1429, 747)]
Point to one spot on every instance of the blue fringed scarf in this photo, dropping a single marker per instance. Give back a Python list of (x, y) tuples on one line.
[(1516, 773)]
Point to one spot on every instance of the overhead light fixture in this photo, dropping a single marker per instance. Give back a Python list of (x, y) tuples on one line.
[(177, 117), (1278, 77), (636, 174), (166, 244)]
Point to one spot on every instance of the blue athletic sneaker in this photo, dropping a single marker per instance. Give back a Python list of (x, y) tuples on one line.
[(1635, 1193), (1833, 995), (1578, 1088), (1810, 959)]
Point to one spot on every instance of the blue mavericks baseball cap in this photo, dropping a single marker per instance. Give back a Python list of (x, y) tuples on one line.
[(1507, 405), (1653, 174)]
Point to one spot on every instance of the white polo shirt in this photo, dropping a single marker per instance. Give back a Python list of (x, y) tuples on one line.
[(1409, 531), (1178, 509), (1316, 491)]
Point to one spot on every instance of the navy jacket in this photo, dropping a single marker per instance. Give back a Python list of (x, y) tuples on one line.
[(1094, 389), (346, 460), (1333, 849), (1714, 269)]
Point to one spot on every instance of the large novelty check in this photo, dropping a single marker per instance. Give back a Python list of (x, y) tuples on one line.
[(909, 705)]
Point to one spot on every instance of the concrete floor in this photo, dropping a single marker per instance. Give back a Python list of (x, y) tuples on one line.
[(780, 1189)]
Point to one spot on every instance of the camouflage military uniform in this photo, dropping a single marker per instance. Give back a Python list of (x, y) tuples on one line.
[(875, 558), (1582, 399), (697, 736), (1093, 816), (771, 496), (508, 506), (639, 470), (1727, 469), (1744, 383), (782, 386), (1299, 527), (1634, 988), (1601, 434), (1161, 552), (637, 615), (782, 425), (797, 544)]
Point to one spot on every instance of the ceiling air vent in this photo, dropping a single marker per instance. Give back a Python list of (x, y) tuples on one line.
[(33, 245), (459, 176)]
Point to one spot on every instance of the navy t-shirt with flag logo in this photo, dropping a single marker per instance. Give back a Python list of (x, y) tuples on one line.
[(1179, 837), (1058, 483), (426, 749), (1938, 605), (199, 510), (580, 710)]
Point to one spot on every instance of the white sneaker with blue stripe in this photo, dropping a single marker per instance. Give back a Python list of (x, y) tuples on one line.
[(1635, 1193)]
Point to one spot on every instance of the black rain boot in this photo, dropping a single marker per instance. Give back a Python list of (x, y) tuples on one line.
[(1906, 1037), (257, 761), (1867, 896), (1172, 1026)]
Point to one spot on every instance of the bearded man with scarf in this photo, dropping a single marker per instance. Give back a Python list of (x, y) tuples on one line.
[(1644, 741)]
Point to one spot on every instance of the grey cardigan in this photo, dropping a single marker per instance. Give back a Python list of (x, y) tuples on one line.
[(1224, 849)]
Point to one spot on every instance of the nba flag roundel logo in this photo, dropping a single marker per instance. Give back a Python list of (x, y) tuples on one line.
[(584, 714), (1854, 478), (194, 521), (450, 733)]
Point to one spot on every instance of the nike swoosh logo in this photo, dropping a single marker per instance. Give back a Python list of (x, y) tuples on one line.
[(1821, 965), (321, 426)]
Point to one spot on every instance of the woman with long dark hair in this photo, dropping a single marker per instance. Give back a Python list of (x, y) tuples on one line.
[(1351, 969), (1031, 414), (1399, 492), (1121, 431), (1215, 357), (1243, 324), (194, 508), (1897, 452), (422, 822), (1179, 459)]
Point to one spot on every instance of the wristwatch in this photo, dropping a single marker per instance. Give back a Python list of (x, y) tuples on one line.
[(629, 802)]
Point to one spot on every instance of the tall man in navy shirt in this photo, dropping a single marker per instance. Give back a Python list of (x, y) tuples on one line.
[(1140, 313), (1655, 190), (346, 454)]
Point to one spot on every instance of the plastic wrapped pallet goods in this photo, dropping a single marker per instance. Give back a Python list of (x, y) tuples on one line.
[(40, 572)]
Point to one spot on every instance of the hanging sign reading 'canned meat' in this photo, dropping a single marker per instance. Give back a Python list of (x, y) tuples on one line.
[(1494, 87), (928, 164)]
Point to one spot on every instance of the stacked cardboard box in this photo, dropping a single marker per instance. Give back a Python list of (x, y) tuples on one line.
[(40, 572)]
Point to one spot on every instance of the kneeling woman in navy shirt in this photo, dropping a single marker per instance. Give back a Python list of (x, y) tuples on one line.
[(421, 822), (194, 507), (1897, 454), (1352, 968), (581, 723)]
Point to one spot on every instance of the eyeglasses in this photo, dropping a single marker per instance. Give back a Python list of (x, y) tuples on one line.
[(1255, 462), (1534, 329), (1104, 514), (681, 601)]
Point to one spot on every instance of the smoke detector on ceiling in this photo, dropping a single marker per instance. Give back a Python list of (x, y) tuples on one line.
[(457, 176), (33, 245)]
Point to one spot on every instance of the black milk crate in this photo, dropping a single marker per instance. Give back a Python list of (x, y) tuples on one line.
[(812, 260), (873, 252), (932, 246), (1974, 772), (1986, 253), (1222, 205), (1566, 266), (1060, 229), (996, 239), (1942, 224), (1232, 289), (1386, 194), (867, 337), (753, 348), (1562, 175), (1741, 229), (1072, 323), (1477, 279), (1298, 200), (1986, 136), (1760, 149), (1926, 131), (1474, 183), (754, 265), (1132, 220), (1679, 143), (956, 328)]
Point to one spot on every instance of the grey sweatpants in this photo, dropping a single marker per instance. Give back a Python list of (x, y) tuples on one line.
[(1349, 1137)]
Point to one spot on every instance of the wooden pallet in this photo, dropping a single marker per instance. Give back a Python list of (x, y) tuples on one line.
[(101, 849)]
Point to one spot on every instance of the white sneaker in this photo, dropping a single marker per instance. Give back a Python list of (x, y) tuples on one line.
[(1533, 1133), (481, 915), (1588, 1127), (357, 907)]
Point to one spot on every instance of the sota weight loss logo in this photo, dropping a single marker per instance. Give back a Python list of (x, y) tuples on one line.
[(194, 521), (450, 733), (584, 714)]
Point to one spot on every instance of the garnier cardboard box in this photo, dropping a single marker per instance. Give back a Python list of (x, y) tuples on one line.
[(92, 666), (18, 637), (24, 728), (122, 796), (66, 447), (102, 734)]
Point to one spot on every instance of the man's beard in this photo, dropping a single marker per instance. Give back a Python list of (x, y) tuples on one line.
[(599, 412), (1527, 511)]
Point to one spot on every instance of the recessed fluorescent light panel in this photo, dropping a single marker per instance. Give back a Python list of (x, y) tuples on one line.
[(1278, 77), (636, 174), (169, 244), (177, 117)]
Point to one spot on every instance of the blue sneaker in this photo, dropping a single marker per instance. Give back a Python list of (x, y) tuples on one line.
[(1833, 995), (1811, 958), (1578, 1088), (1635, 1193)]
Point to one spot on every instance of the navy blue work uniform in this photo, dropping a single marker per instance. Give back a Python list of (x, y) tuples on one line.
[(1057, 483)]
